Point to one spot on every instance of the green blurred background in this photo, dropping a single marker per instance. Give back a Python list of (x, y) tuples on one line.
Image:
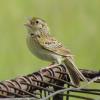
[(76, 23)]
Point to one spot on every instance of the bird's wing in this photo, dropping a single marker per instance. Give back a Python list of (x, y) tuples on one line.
[(50, 43)]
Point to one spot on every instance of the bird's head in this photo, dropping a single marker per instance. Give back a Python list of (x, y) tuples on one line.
[(36, 24)]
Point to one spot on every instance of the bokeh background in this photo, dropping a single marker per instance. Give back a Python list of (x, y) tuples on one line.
[(76, 23)]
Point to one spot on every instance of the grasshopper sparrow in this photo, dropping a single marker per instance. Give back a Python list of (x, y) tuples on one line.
[(46, 47)]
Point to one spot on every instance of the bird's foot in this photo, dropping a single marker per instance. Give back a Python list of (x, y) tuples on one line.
[(52, 65)]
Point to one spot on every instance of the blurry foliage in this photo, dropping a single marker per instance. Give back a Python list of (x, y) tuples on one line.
[(76, 23)]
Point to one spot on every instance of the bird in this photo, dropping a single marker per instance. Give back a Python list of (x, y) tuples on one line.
[(44, 46)]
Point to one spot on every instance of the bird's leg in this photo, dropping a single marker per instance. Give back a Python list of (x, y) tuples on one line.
[(48, 66), (53, 64)]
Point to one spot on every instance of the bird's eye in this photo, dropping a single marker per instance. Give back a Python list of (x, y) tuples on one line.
[(37, 22)]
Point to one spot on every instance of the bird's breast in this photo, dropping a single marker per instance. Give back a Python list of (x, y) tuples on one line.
[(39, 51)]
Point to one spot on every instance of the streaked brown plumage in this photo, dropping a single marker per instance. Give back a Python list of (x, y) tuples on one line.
[(46, 47)]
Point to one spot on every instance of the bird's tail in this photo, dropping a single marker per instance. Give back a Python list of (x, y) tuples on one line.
[(74, 74)]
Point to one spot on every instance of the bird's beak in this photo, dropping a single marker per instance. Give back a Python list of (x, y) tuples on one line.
[(28, 22)]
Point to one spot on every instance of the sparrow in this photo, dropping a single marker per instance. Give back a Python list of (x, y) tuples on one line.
[(43, 45)]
